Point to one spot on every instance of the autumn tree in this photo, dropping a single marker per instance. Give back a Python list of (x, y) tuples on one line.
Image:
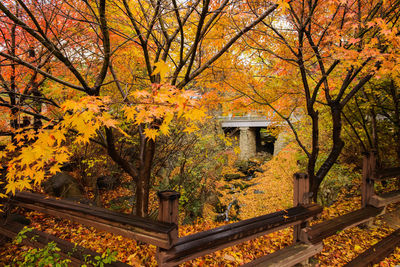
[(172, 42), (20, 97), (332, 48)]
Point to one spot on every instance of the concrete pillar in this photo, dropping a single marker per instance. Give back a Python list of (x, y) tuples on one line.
[(247, 143)]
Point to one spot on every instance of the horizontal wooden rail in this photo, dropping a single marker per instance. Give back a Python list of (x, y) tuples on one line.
[(40, 239), (196, 245), (288, 256), (384, 174), (371, 174), (377, 252), (316, 233), (157, 233), (384, 199)]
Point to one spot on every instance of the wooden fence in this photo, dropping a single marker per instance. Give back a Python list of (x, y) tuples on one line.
[(370, 199), (372, 174), (173, 250)]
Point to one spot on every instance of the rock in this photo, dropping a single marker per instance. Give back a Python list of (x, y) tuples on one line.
[(259, 192), (232, 176), (212, 199), (259, 170), (106, 182), (63, 185), (248, 167), (248, 178)]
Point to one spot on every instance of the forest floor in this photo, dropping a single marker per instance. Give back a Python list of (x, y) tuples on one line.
[(337, 250)]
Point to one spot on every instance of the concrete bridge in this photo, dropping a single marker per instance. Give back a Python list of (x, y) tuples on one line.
[(251, 132)]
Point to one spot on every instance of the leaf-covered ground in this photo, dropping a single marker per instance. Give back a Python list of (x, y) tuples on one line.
[(338, 249)]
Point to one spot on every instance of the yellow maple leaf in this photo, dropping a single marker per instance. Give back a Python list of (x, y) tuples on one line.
[(11, 187), (10, 147), (141, 117), (27, 156), (161, 68), (55, 168), (24, 184), (59, 136), (150, 133), (130, 113), (19, 137)]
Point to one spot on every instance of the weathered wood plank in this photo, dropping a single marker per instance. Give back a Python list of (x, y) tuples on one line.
[(202, 243), (316, 233), (301, 189), (168, 211), (288, 256), (142, 229), (377, 252), (384, 199), (388, 173), (148, 224), (367, 185), (40, 239)]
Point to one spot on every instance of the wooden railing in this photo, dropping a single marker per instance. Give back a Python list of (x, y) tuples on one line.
[(163, 233), (172, 250), (157, 233), (199, 244), (372, 174)]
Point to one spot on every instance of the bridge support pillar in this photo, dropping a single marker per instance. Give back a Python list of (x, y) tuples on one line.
[(247, 143)]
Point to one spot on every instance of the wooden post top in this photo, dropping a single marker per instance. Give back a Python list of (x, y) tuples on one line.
[(299, 175), (168, 195), (369, 152)]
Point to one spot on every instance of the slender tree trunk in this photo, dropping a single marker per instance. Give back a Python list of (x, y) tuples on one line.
[(143, 181), (375, 143), (337, 147), (312, 160), (13, 100)]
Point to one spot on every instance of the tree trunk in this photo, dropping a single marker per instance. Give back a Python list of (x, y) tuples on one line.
[(337, 147), (312, 160), (375, 140), (13, 101), (143, 182)]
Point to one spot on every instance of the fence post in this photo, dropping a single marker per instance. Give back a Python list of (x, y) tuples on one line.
[(368, 171), (168, 211), (301, 196)]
